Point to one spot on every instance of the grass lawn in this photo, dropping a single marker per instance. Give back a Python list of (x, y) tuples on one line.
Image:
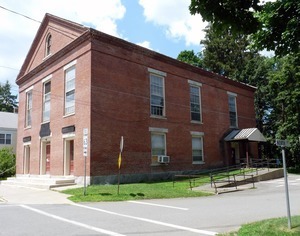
[(271, 227), (97, 193), (181, 189)]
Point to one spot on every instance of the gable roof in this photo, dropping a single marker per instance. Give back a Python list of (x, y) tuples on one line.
[(8, 120), (78, 29), (250, 134), (85, 33)]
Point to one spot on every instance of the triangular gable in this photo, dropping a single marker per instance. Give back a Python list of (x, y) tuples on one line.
[(62, 33)]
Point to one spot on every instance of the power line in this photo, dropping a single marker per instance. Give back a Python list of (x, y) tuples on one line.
[(20, 14), (7, 67)]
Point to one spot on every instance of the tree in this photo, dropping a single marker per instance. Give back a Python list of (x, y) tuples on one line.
[(272, 25), (7, 162), (7, 100), (225, 53), (284, 87), (190, 57)]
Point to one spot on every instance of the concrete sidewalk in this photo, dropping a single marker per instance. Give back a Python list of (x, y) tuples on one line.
[(26, 195)]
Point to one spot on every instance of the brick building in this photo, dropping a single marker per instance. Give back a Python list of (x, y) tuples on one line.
[(76, 78)]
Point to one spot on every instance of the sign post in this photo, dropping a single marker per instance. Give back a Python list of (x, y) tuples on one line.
[(120, 161), (283, 144), (85, 154)]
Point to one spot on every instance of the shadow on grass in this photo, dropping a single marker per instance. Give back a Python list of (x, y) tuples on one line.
[(105, 194), (137, 194)]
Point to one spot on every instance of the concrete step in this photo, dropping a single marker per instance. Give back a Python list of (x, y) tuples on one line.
[(42, 182)]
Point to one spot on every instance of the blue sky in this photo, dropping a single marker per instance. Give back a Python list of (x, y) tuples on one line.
[(165, 26)]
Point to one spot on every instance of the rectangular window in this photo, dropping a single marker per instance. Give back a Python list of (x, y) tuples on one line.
[(197, 149), (195, 103), (46, 105), (157, 95), (232, 109), (158, 144), (2, 138), (8, 139), (28, 109), (70, 90), (5, 138)]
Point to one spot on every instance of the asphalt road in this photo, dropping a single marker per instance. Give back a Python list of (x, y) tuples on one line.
[(187, 216)]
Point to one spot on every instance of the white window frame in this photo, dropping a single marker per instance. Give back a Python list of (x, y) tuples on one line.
[(232, 96), (198, 135), (5, 139), (161, 75), (28, 107), (198, 86), (70, 91), (159, 132), (46, 100)]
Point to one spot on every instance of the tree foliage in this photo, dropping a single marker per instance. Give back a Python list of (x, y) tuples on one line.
[(7, 100), (284, 88), (7, 162), (225, 53), (190, 57), (272, 25)]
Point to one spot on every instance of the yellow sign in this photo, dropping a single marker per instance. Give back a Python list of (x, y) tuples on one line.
[(119, 160)]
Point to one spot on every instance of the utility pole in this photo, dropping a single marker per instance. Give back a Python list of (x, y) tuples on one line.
[(283, 144)]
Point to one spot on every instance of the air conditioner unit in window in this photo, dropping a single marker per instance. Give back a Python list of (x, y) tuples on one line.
[(163, 159)]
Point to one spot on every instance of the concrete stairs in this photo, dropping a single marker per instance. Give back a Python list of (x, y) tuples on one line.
[(40, 181)]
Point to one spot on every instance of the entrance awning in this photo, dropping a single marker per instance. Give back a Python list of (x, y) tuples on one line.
[(250, 134)]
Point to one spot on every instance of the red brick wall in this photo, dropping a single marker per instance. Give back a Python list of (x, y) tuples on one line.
[(121, 107), (81, 119), (113, 100)]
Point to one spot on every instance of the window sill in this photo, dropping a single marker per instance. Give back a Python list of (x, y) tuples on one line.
[(158, 117), (154, 164), (196, 122), (46, 57), (71, 114), (27, 127), (159, 164), (198, 163)]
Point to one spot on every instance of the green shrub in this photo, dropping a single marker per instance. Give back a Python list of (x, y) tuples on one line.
[(7, 162), (294, 170)]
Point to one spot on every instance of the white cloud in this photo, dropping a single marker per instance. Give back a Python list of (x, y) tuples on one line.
[(145, 44), (175, 16), (17, 32)]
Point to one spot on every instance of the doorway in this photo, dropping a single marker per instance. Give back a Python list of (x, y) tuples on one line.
[(26, 160), (48, 158), (45, 164), (235, 153), (69, 157)]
